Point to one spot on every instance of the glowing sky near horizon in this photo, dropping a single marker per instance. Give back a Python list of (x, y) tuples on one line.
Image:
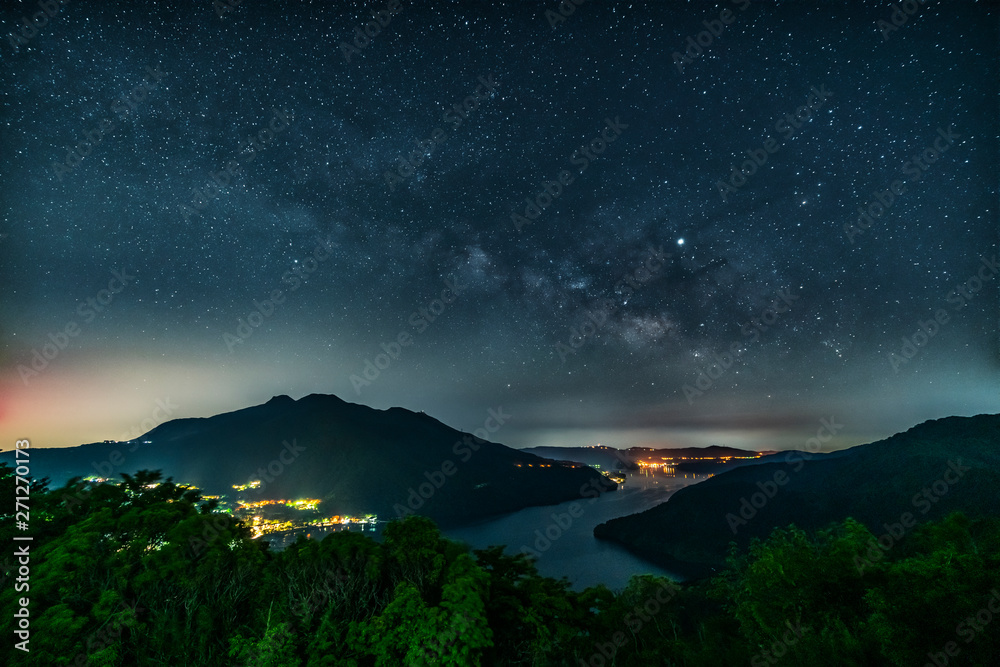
[(670, 271)]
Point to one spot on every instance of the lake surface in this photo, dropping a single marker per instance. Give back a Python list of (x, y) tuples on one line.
[(565, 545), (573, 552)]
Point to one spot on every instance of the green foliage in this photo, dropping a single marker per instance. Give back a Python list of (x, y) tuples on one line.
[(275, 649), (144, 573)]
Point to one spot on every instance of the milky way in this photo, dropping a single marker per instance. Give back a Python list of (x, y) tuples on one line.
[(627, 223)]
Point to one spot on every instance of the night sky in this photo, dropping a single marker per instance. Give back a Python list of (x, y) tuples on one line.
[(561, 195)]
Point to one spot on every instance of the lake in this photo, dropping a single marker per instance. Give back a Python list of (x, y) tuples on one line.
[(564, 544)]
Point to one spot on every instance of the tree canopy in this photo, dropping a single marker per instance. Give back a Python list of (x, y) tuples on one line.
[(144, 572)]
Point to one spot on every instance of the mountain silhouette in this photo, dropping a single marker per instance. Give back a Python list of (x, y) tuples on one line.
[(937, 467), (357, 459), (688, 459)]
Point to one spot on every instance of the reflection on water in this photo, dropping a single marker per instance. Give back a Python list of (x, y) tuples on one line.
[(652, 477), (560, 536), (565, 544)]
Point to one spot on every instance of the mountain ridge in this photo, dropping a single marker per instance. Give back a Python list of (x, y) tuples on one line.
[(873, 483), (357, 459)]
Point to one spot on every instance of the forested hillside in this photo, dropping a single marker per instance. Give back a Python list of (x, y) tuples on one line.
[(135, 574)]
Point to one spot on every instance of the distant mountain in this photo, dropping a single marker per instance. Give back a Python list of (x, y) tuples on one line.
[(688, 459), (712, 459), (935, 468), (607, 458), (357, 459), (675, 453)]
